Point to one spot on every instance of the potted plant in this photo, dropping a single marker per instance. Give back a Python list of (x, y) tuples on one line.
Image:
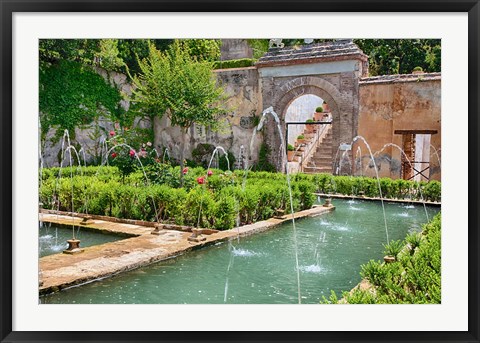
[(290, 152), (318, 113), (301, 140), (310, 128)]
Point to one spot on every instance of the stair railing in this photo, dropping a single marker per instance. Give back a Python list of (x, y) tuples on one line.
[(313, 145)]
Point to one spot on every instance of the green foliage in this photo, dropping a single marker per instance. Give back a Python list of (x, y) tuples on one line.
[(179, 85), (391, 189), (415, 278), (207, 50), (417, 68), (108, 54), (290, 147), (107, 191), (393, 248), (238, 63), (401, 56), (263, 163), (414, 240), (176, 83), (319, 109), (72, 94), (309, 120), (301, 137)]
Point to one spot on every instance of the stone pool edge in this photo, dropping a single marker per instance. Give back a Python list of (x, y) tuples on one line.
[(62, 271)]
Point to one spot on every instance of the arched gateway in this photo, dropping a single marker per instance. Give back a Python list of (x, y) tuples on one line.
[(329, 70)]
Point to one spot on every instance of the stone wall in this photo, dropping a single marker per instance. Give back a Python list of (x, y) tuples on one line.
[(390, 104), (236, 128), (233, 49), (88, 137)]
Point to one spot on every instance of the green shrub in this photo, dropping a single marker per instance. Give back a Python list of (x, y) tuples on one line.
[(290, 147), (415, 278), (301, 137), (225, 213), (393, 248), (238, 63), (319, 109)]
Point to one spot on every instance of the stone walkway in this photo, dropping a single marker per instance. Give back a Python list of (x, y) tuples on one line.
[(60, 271)]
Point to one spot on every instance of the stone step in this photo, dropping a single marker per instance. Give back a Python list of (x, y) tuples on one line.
[(313, 170)]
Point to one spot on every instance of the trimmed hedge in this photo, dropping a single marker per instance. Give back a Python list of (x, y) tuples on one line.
[(156, 195), (219, 201), (239, 63)]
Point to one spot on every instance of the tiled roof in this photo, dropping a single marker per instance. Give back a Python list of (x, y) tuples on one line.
[(321, 51), (401, 78)]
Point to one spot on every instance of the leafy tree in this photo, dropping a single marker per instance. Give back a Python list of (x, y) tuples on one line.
[(386, 56), (176, 84), (401, 56)]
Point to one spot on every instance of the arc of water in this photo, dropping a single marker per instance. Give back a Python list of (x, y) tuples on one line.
[(378, 179), (270, 111), (215, 152), (165, 152), (435, 151), (411, 166)]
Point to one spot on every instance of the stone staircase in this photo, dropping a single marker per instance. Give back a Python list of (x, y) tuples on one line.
[(321, 161)]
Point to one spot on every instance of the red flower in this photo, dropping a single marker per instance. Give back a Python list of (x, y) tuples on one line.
[(112, 133), (185, 170), (210, 173), (201, 180), (132, 153), (114, 154)]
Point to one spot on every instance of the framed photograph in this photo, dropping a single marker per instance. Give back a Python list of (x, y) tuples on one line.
[(361, 106)]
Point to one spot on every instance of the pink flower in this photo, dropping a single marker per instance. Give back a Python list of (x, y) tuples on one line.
[(185, 170), (117, 126), (149, 143), (210, 173), (201, 180), (132, 153), (114, 154), (142, 153), (112, 133)]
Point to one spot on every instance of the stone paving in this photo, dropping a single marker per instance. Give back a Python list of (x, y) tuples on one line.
[(140, 248)]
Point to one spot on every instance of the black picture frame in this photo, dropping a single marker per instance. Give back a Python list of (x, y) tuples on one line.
[(8, 7)]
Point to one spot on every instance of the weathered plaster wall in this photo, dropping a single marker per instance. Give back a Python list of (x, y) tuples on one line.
[(244, 102), (232, 49), (409, 102)]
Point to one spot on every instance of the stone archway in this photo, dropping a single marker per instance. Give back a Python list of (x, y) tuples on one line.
[(329, 70), (344, 108)]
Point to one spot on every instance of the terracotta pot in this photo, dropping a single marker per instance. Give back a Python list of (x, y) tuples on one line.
[(318, 116), (290, 155), (301, 141), (309, 128)]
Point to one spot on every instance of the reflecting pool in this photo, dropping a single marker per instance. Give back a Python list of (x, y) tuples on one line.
[(331, 249)]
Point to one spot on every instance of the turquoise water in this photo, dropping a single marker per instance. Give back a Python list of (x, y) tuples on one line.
[(331, 248), (52, 238)]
